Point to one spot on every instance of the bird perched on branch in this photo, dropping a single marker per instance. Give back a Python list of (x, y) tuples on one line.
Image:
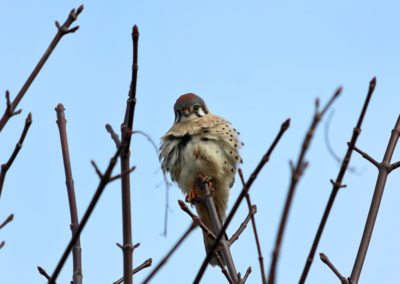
[(201, 144)]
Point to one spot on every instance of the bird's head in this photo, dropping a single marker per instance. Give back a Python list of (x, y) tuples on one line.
[(189, 106)]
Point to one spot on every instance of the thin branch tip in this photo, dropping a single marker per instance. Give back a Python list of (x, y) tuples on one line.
[(135, 31), (286, 124), (372, 84)]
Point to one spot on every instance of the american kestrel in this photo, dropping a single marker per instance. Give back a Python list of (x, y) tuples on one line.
[(201, 144)]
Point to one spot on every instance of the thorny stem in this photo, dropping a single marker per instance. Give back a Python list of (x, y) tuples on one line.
[(212, 213), (61, 31), (384, 169), (337, 184), (146, 263), (126, 131), (5, 167), (240, 198), (253, 223), (297, 172), (105, 179), (76, 250), (163, 261)]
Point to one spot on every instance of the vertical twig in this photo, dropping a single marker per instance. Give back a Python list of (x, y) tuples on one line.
[(61, 31), (145, 264), (240, 198), (337, 184), (384, 169), (104, 180), (193, 225), (5, 167), (255, 232), (126, 131), (76, 250), (296, 173)]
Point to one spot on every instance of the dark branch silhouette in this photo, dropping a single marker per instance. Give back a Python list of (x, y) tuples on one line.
[(5, 167), (296, 172), (61, 31), (73, 210), (337, 184), (240, 198), (163, 261), (146, 263), (6, 221), (255, 232), (104, 181), (326, 260)]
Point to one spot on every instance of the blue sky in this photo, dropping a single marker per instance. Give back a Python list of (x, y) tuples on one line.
[(256, 64)]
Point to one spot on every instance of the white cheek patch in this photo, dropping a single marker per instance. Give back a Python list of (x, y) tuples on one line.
[(200, 112)]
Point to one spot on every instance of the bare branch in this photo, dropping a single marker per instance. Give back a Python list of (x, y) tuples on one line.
[(6, 221), (170, 253), (243, 226), (114, 136), (96, 168), (146, 263), (240, 198), (105, 178), (253, 223), (2, 244), (337, 184), (61, 31), (76, 250), (126, 131), (43, 272), (196, 219), (223, 268), (122, 174), (326, 260), (248, 271), (5, 167), (366, 156), (375, 203)]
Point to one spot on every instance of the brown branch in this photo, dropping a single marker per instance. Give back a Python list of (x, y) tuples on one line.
[(126, 131), (366, 156), (43, 272), (6, 221), (5, 167), (215, 221), (114, 136), (240, 198), (243, 226), (326, 260), (337, 184), (197, 220), (73, 210), (384, 170), (105, 179), (2, 244), (122, 174), (255, 232), (248, 271), (297, 172), (96, 168), (171, 252), (223, 268), (146, 263), (61, 31)]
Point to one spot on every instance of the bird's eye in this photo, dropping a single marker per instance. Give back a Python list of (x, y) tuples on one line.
[(196, 107)]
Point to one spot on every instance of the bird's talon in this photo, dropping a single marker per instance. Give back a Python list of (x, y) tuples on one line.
[(191, 197)]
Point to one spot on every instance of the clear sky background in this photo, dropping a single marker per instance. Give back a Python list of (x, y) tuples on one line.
[(255, 63)]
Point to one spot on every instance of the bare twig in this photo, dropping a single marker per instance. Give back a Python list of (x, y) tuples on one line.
[(61, 31), (338, 183), (105, 179), (248, 271), (212, 213), (384, 170), (173, 249), (73, 210), (114, 136), (197, 220), (243, 226), (223, 267), (146, 263), (126, 131), (240, 198), (297, 171), (255, 232), (43, 272), (5, 167), (6, 221), (365, 155), (2, 244), (96, 168), (326, 260), (122, 174)]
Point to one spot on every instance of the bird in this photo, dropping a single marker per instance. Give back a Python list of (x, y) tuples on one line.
[(201, 144)]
